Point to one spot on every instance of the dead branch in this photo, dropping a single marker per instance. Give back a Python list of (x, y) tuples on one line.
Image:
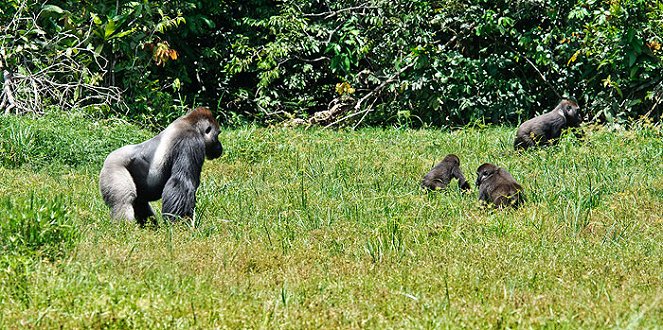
[(7, 94), (373, 93), (541, 75), (66, 79), (329, 14)]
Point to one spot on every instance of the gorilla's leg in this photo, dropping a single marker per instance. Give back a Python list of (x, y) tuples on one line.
[(524, 141), (119, 192), (142, 211)]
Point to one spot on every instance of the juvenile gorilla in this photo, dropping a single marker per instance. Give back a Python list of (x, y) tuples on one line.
[(498, 187), (440, 176), (166, 166), (546, 128)]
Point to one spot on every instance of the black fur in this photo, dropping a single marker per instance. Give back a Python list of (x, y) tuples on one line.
[(497, 186), (167, 166), (440, 176), (546, 128)]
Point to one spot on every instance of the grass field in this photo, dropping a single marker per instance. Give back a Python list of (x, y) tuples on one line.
[(329, 229)]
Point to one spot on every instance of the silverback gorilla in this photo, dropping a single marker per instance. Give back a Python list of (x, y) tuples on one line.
[(166, 166), (544, 129)]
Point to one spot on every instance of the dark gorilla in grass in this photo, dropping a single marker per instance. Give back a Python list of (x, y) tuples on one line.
[(546, 128), (497, 186), (166, 166), (440, 176)]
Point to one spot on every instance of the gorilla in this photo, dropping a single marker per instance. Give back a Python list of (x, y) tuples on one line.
[(498, 187), (440, 176), (546, 128), (166, 166)]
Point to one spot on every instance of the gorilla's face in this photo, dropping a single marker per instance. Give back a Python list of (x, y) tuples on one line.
[(213, 148), (572, 114), (484, 172)]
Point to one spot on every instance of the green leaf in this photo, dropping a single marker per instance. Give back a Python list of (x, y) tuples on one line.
[(123, 33), (53, 9), (96, 19), (210, 24), (109, 30), (346, 63), (631, 59)]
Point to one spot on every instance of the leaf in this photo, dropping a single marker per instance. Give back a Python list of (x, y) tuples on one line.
[(109, 30), (346, 63), (631, 59), (53, 9), (573, 58), (210, 24), (96, 19), (123, 33)]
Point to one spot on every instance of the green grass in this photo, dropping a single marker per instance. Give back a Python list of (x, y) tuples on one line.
[(329, 229)]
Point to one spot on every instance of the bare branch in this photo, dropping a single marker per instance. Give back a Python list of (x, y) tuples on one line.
[(66, 79), (374, 94), (7, 93), (333, 13)]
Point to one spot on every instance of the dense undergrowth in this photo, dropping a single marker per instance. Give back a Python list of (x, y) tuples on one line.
[(449, 62)]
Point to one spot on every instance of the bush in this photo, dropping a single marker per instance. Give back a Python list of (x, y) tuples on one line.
[(455, 62), (36, 228), (449, 62)]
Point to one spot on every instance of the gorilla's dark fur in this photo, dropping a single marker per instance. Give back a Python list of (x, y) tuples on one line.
[(167, 166), (440, 176), (498, 187), (546, 128)]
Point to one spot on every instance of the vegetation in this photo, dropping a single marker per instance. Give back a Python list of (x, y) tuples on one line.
[(320, 229), (315, 228), (378, 62)]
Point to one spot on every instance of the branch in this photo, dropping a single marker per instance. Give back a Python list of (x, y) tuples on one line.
[(384, 84), (7, 94), (373, 92), (543, 77), (54, 78), (333, 13)]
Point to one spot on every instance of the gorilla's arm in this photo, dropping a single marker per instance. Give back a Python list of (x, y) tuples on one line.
[(179, 194), (462, 183)]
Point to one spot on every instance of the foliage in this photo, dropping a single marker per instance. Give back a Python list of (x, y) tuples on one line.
[(470, 59), (36, 227), (49, 66), (33, 229), (445, 63)]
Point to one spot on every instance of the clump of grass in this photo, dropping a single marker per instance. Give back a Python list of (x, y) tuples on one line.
[(32, 230), (36, 227), (17, 144)]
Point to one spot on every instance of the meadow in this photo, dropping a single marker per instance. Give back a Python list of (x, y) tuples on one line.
[(322, 228)]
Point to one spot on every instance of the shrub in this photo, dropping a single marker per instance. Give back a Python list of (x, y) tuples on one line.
[(449, 62), (36, 227)]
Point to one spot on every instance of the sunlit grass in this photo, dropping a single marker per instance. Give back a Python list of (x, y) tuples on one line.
[(324, 229)]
